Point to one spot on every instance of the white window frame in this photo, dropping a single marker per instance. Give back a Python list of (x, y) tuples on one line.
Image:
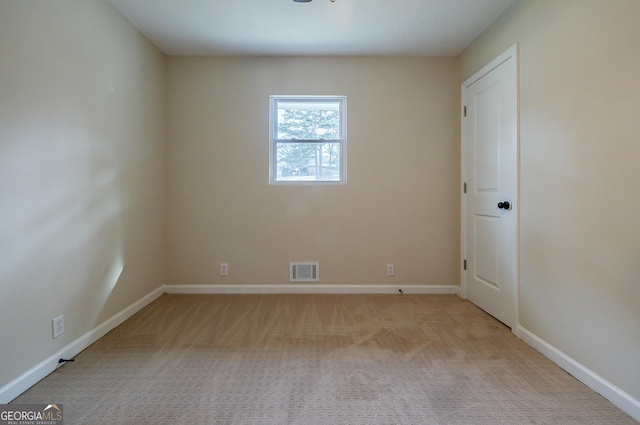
[(273, 141)]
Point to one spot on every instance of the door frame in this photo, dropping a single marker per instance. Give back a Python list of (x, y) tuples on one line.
[(511, 53)]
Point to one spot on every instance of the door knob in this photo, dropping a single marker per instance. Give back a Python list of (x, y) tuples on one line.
[(504, 205)]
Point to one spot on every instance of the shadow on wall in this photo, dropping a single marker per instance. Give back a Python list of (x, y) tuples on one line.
[(61, 234)]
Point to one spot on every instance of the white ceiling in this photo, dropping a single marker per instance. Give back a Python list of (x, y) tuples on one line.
[(322, 27)]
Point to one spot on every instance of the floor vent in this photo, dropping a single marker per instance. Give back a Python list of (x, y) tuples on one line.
[(303, 272)]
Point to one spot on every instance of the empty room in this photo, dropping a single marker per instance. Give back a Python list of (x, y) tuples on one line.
[(320, 212)]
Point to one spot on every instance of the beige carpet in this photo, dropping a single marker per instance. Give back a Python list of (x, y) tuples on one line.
[(317, 359)]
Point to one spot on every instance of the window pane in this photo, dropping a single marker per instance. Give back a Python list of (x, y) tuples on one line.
[(308, 120), (308, 162)]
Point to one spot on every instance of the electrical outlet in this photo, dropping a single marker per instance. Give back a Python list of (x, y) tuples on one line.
[(58, 326), (390, 270), (224, 269)]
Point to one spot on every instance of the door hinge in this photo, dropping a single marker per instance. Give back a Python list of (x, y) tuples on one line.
[(464, 264), (465, 187), (465, 111)]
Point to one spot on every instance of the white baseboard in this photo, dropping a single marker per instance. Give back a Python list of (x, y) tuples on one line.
[(25, 381), (615, 395), (311, 289)]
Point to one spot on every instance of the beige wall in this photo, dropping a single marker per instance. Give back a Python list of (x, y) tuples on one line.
[(401, 201), (580, 146), (81, 172)]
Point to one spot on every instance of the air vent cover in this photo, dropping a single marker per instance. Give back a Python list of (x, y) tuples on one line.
[(303, 272)]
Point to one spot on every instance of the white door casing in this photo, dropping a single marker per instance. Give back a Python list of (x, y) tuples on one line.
[(490, 179)]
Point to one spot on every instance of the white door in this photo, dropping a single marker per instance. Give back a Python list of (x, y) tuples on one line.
[(490, 176)]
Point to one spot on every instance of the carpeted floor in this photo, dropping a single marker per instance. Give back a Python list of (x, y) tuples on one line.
[(317, 359)]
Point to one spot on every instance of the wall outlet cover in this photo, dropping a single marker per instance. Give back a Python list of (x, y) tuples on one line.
[(390, 270), (58, 326)]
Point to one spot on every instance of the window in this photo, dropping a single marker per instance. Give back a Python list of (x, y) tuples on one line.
[(307, 141)]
